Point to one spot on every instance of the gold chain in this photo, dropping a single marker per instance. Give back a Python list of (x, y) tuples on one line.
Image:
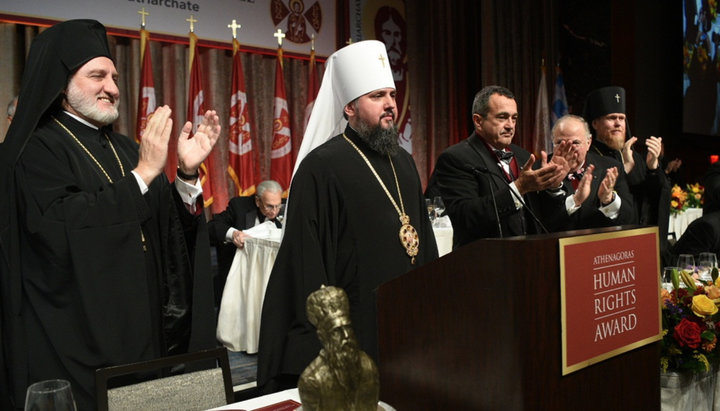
[(397, 184), (97, 163), (408, 235), (122, 169)]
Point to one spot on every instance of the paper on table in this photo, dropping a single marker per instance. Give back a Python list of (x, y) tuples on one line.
[(266, 231)]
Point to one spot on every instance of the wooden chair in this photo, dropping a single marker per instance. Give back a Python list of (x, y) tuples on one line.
[(209, 387)]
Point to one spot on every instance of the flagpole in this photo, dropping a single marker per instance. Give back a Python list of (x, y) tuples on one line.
[(146, 93)]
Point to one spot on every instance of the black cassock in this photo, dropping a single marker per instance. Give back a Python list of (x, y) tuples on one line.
[(88, 294), (341, 230)]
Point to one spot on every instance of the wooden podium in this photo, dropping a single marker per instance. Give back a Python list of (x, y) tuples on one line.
[(480, 329)]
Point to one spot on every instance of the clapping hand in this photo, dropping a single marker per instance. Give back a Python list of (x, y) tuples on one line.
[(549, 175), (583, 190), (607, 186), (193, 151), (627, 155), (153, 149), (654, 146)]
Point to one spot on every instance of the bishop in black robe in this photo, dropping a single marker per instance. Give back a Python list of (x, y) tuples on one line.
[(94, 272), (341, 230)]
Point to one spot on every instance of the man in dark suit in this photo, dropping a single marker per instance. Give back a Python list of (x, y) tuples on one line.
[(477, 177), (241, 213), (594, 194)]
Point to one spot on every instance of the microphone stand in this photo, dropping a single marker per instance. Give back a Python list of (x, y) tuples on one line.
[(485, 171), (492, 194)]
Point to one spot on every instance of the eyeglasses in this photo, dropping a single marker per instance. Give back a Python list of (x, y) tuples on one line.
[(269, 207)]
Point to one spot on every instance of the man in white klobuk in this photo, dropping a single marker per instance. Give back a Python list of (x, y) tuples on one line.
[(356, 213)]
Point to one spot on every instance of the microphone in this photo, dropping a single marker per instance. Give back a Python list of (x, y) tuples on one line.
[(481, 170), (484, 170)]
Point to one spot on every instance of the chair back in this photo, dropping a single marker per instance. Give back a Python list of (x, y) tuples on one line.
[(207, 386)]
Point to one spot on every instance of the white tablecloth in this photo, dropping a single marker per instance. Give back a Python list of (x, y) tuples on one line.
[(679, 222), (681, 392), (241, 304), (442, 228), (270, 399)]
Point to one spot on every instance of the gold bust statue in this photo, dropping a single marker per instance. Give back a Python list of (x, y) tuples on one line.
[(342, 376)]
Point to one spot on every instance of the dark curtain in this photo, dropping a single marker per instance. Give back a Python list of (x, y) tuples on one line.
[(456, 48)]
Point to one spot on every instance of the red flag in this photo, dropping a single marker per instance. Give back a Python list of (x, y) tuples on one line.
[(313, 88), (281, 152), (241, 164), (195, 112), (146, 97)]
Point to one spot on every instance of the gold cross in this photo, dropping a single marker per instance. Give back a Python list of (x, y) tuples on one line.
[(280, 35), (143, 13), (234, 26), (312, 42), (382, 59), (617, 98), (349, 41), (191, 20)]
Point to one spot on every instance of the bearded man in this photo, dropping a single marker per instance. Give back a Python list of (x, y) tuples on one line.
[(605, 111), (356, 215), (105, 262)]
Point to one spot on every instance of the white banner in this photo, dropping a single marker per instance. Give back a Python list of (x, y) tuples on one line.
[(260, 19)]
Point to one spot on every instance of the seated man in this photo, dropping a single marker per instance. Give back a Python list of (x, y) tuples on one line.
[(595, 192), (242, 212)]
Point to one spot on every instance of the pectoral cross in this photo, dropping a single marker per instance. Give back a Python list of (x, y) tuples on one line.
[(382, 60), (192, 21), (143, 13), (234, 26), (280, 35), (617, 98)]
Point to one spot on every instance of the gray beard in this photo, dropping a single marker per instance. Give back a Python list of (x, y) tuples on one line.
[(382, 140)]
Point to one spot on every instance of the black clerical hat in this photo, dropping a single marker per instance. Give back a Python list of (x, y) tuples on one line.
[(604, 101)]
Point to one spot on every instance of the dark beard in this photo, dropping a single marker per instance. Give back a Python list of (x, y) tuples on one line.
[(382, 140)]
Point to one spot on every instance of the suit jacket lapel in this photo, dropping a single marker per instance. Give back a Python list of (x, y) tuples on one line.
[(250, 217), (486, 159)]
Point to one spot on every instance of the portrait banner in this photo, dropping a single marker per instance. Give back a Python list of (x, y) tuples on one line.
[(385, 21)]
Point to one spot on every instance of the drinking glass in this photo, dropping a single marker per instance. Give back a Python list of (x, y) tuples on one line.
[(706, 262), (439, 206), (667, 278), (686, 263), (50, 395), (430, 209)]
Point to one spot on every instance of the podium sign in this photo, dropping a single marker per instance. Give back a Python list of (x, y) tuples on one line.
[(610, 286)]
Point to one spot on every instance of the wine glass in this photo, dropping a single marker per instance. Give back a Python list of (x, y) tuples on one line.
[(667, 278), (706, 262), (50, 395), (686, 263), (439, 206), (430, 209)]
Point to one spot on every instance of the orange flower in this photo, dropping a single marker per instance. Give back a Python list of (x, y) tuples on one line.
[(712, 292)]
